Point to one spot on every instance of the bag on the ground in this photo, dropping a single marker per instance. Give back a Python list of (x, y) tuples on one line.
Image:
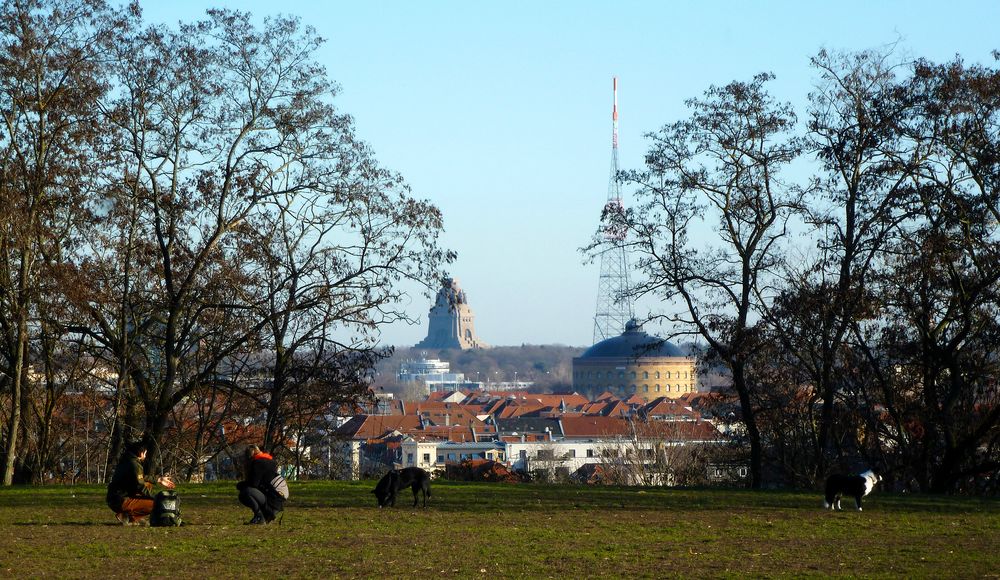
[(280, 486), (166, 509)]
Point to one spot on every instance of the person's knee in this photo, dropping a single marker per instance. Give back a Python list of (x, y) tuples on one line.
[(253, 498), (247, 499)]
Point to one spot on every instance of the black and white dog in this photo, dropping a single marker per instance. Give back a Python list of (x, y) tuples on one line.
[(393, 482), (856, 486)]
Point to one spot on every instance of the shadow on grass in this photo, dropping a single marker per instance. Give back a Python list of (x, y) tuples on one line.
[(102, 524), (66, 524)]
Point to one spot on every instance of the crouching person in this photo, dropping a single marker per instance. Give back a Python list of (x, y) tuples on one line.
[(256, 490), (129, 494)]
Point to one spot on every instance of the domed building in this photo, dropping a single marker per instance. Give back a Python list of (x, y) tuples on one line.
[(635, 363)]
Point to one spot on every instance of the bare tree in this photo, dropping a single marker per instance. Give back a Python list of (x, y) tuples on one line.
[(50, 78), (940, 281), (327, 264), (238, 184), (658, 453), (855, 118), (718, 169)]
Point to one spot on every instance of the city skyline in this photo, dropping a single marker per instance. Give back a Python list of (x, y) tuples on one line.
[(501, 115)]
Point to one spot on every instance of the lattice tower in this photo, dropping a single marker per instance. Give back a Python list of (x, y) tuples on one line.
[(614, 309)]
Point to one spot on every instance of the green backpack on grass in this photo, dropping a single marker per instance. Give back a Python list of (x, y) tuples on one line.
[(166, 509)]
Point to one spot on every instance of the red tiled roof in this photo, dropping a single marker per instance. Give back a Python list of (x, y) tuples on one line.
[(664, 406), (521, 410), (572, 400), (590, 426), (682, 430), (372, 426)]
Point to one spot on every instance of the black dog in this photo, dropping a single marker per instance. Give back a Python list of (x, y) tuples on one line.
[(391, 483), (856, 486)]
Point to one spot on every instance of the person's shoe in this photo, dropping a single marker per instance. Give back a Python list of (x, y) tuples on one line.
[(269, 516), (257, 519), (144, 522), (123, 519)]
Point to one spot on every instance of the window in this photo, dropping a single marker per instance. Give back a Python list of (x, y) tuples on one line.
[(409, 458), (590, 452), (646, 389), (645, 374), (632, 375), (523, 454), (451, 457), (571, 453), (440, 458), (657, 374), (545, 454), (427, 457), (621, 375)]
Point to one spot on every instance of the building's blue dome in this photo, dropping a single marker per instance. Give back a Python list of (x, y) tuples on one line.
[(631, 344)]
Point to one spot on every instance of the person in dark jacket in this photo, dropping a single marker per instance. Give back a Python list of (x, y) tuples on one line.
[(256, 491), (129, 494)]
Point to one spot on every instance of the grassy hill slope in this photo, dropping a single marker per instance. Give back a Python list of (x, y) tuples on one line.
[(332, 529)]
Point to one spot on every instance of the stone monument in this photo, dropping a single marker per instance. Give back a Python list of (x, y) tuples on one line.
[(450, 320)]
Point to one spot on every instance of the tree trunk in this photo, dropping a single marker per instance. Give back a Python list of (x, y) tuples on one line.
[(753, 433), (13, 427)]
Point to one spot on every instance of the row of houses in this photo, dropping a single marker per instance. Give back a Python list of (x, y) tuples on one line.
[(547, 436)]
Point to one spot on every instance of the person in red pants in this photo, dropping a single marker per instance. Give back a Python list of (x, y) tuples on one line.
[(129, 494)]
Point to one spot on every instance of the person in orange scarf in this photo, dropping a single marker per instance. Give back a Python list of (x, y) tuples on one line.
[(256, 491)]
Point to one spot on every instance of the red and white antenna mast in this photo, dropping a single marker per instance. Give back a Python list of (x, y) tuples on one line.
[(614, 114), (614, 308)]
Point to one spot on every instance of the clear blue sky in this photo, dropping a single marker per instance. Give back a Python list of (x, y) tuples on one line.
[(500, 113)]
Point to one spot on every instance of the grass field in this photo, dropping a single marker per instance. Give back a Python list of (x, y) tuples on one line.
[(332, 529)]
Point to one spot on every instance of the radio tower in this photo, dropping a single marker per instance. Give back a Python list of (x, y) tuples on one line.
[(614, 310)]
